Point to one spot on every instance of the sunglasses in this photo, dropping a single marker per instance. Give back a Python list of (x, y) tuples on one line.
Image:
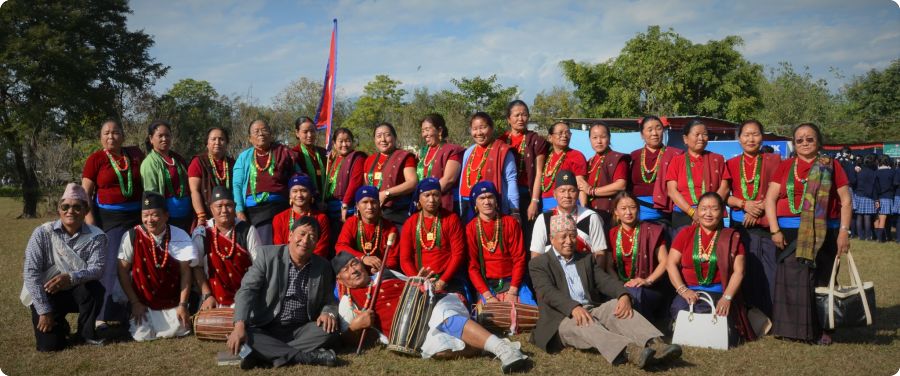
[(75, 207), (801, 141)]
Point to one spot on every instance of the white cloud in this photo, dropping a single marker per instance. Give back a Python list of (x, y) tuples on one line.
[(235, 44)]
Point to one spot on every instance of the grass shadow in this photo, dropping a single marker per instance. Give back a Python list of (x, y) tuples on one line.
[(883, 331)]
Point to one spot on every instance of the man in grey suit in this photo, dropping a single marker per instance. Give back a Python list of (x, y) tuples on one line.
[(285, 310), (573, 312)]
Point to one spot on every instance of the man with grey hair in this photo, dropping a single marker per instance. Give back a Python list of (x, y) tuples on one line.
[(584, 307), (63, 262)]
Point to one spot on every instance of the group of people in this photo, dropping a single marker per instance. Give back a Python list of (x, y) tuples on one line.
[(313, 248), (875, 185)]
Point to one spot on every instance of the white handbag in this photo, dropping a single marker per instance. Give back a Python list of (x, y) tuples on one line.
[(701, 329)]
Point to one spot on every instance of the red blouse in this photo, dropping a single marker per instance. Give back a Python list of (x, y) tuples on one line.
[(781, 175), (684, 243)]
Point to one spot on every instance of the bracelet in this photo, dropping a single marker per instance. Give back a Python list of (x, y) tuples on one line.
[(775, 232), (535, 200), (691, 212), (184, 304)]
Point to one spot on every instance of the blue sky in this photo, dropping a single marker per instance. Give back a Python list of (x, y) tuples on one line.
[(263, 45)]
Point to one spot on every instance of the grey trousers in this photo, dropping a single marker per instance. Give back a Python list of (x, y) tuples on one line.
[(608, 334), (280, 344)]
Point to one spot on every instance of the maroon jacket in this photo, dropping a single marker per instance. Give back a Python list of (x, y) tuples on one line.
[(606, 174), (442, 155)]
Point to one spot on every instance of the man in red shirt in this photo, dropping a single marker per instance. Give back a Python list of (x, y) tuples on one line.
[(369, 236)]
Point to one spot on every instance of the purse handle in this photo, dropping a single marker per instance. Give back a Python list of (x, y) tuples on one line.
[(855, 280), (704, 296)]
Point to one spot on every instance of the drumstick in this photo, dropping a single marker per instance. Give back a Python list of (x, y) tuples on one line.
[(387, 249)]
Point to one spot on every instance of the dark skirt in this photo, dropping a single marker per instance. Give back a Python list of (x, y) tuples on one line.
[(110, 219), (794, 308), (261, 215), (758, 287), (397, 215)]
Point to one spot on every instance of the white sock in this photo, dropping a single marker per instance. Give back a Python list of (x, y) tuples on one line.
[(493, 345)]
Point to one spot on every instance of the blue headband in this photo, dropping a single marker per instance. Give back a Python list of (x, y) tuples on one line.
[(425, 185), (366, 191), (302, 180), (483, 187)]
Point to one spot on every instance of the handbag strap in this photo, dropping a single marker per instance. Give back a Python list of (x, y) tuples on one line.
[(854, 272), (704, 296), (855, 281), (837, 261)]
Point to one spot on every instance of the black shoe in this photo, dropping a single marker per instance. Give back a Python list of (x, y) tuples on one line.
[(251, 361), (639, 356), (95, 342), (319, 357)]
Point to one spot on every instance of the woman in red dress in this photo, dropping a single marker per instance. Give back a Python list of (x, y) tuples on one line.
[(440, 159), (301, 193), (694, 173), (607, 174)]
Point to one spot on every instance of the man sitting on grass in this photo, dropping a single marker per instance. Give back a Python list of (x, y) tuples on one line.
[(63, 262)]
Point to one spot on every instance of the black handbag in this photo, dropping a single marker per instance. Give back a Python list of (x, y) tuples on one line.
[(845, 306)]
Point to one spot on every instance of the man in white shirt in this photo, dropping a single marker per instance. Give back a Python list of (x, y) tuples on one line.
[(589, 225), (155, 273)]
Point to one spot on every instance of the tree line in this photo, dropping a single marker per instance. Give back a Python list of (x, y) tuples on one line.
[(65, 66)]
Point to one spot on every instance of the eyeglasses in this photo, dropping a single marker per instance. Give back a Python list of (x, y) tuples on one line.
[(563, 133), (261, 132), (75, 208), (801, 141)]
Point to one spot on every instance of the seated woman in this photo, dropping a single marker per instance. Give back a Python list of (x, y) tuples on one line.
[(497, 262), (639, 255), (714, 264), (302, 193)]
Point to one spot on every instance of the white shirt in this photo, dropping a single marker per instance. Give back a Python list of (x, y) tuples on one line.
[(180, 246), (253, 242), (595, 239)]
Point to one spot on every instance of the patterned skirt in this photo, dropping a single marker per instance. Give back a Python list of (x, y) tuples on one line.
[(863, 205), (794, 305), (886, 205), (895, 207)]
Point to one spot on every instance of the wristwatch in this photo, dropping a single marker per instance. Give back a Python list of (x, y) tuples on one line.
[(387, 193), (846, 228), (727, 297)]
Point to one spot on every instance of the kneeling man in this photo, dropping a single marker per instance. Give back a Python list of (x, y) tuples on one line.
[(155, 273), (449, 328), (573, 313), (63, 261)]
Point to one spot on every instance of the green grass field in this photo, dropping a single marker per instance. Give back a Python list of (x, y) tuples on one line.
[(857, 352)]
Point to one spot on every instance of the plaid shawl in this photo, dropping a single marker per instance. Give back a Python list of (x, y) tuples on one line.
[(811, 234)]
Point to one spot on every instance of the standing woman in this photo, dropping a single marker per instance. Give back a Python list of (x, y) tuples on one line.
[(345, 175), (440, 159), (310, 157), (648, 170), (896, 205), (490, 160), (434, 238), (112, 178), (165, 172), (208, 171), (261, 175), (808, 208), (393, 172), (562, 157), (691, 175), (865, 198), (748, 176), (607, 174), (530, 155), (884, 183), (639, 256)]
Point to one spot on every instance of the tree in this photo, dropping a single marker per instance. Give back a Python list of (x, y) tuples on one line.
[(485, 94), (63, 65), (382, 100), (661, 72), (552, 105), (193, 106), (789, 98), (874, 101), (301, 98)]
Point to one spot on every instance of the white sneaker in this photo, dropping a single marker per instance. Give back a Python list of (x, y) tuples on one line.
[(511, 358)]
